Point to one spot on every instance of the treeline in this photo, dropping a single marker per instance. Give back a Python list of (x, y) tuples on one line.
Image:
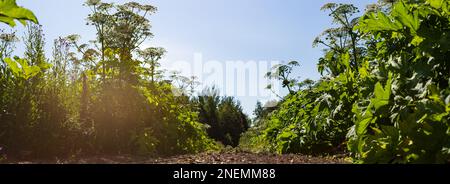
[(384, 95), (107, 96)]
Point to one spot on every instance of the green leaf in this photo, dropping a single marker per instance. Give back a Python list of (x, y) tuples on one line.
[(345, 60), (378, 22), (44, 65), (286, 135), (13, 66), (382, 95), (7, 20), (436, 3), (408, 19), (438, 117), (361, 126), (379, 100), (417, 40), (9, 11), (24, 71), (31, 71)]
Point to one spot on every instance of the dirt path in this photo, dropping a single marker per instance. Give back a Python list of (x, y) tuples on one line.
[(248, 158), (204, 158)]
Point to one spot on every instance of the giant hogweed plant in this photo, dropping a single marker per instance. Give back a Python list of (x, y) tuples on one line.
[(315, 120), (392, 101), (407, 118)]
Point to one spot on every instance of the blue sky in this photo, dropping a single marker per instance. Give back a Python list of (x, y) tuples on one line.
[(221, 30)]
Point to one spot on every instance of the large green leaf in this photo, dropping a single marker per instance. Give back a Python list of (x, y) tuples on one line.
[(9, 11), (382, 95), (13, 66), (436, 3), (409, 19), (379, 100), (362, 125), (378, 22), (21, 69), (7, 20)]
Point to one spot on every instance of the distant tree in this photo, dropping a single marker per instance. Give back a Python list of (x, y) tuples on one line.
[(224, 115), (208, 105), (259, 110), (180, 83), (308, 83), (233, 120)]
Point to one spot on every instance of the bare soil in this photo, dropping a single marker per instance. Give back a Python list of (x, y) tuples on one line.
[(203, 158)]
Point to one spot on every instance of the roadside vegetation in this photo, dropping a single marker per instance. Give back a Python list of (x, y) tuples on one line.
[(384, 94)]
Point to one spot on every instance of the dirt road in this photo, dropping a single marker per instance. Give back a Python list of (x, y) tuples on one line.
[(204, 158)]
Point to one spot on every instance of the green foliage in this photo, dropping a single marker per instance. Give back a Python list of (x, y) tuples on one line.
[(9, 12), (384, 92), (313, 120), (282, 73), (385, 95), (145, 142), (151, 57), (253, 139), (95, 99), (407, 120), (175, 124), (224, 115), (34, 118), (21, 69)]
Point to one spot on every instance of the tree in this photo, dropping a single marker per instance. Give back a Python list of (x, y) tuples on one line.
[(233, 120), (224, 116), (308, 83), (208, 104), (259, 110), (192, 83)]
